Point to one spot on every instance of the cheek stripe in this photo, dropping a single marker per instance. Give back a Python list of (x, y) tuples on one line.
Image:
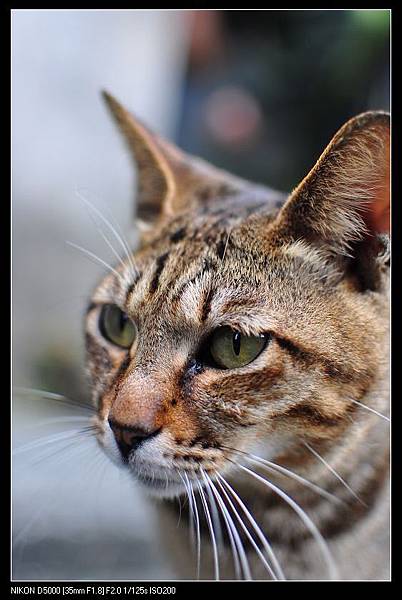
[(120, 371), (311, 415), (307, 358)]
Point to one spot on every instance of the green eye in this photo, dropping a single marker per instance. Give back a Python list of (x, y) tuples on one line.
[(231, 349), (116, 326)]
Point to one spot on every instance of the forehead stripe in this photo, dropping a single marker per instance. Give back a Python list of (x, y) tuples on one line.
[(206, 307), (160, 263), (178, 235), (131, 287)]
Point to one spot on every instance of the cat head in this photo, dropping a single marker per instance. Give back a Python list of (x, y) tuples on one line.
[(244, 317)]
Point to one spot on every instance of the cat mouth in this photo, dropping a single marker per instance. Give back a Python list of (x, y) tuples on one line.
[(158, 477), (163, 481)]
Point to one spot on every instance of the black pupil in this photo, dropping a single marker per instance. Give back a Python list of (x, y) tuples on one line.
[(236, 342), (123, 320)]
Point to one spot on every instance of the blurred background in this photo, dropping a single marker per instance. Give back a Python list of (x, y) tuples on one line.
[(257, 92)]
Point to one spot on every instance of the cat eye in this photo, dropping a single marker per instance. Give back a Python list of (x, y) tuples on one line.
[(116, 326), (230, 349)]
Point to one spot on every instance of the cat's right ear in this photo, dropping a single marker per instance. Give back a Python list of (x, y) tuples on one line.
[(168, 180), (342, 206)]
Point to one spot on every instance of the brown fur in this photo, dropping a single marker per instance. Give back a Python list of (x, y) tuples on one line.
[(313, 274)]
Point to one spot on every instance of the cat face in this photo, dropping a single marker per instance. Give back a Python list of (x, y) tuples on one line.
[(242, 319)]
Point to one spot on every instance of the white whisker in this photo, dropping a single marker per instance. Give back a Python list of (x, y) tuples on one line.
[(211, 530), (65, 451), (235, 543), (332, 470), (134, 271), (274, 467), (191, 509), (214, 514), (109, 244), (258, 531), (98, 260), (245, 528), (303, 516), (29, 524), (197, 525), (178, 499), (52, 396), (372, 410), (52, 439), (55, 421)]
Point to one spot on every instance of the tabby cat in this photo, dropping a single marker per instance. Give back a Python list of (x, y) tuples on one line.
[(239, 360)]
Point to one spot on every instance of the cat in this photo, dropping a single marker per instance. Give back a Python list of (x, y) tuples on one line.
[(239, 359)]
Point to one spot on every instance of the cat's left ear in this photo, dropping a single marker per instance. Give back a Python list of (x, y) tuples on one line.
[(343, 205), (169, 180)]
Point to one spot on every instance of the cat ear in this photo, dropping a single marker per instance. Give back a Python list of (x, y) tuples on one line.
[(345, 197), (169, 180)]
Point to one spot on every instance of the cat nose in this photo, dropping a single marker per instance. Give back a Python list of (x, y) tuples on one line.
[(130, 438)]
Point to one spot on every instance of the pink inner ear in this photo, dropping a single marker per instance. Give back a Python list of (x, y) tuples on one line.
[(378, 217)]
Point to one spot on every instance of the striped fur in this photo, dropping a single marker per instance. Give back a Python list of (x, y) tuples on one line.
[(309, 270)]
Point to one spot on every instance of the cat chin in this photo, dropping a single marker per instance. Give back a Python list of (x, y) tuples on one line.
[(159, 487), (173, 490)]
